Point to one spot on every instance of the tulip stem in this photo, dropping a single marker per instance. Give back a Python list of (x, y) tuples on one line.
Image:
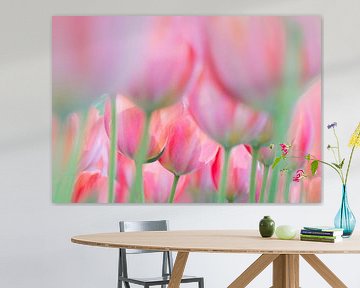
[(137, 189), (112, 153), (255, 155), (173, 188), (224, 174), (287, 186), (273, 185), (264, 182)]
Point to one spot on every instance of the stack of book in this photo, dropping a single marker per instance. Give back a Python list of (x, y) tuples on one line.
[(321, 234)]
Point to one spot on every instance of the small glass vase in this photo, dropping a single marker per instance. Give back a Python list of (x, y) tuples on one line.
[(345, 219)]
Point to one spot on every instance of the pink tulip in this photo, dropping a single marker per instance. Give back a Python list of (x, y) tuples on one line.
[(86, 57), (188, 148), (225, 120), (304, 133), (201, 185), (124, 177), (95, 144), (309, 28), (305, 129), (266, 156), (158, 182), (247, 55), (130, 122), (238, 176), (143, 57), (160, 66), (90, 187)]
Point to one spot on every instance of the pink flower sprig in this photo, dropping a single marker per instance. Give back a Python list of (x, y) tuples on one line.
[(285, 149), (338, 165), (300, 174)]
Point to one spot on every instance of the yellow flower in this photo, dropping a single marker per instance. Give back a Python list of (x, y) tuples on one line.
[(355, 138)]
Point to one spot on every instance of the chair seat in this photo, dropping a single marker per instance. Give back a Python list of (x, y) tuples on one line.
[(158, 280)]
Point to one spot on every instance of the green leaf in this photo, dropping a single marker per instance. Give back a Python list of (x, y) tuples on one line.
[(276, 161), (342, 163), (314, 167), (336, 165), (307, 157), (156, 157)]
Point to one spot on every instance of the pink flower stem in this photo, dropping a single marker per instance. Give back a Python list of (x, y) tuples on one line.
[(264, 182), (112, 152), (224, 175), (173, 188), (65, 189), (274, 185), (137, 189), (255, 155), (287, 186)]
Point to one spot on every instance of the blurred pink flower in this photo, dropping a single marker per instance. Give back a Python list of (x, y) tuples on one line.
[(90, 186), (312, 189), (142, 57), (159, 64), (95, 144), (188, 148), (158, 182), (130, 122), (247, 55), (266, 154), (309, 28), (201, 185), (305, 129), (86, 58), (225, 120), (238, 176), (125, 173)]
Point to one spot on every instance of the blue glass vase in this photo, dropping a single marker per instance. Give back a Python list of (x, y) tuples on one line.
[(345, 219)]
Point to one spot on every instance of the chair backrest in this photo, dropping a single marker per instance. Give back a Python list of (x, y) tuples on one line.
[(138, 226)]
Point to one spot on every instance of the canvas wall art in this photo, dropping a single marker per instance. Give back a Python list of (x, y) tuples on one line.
[(186, 109)]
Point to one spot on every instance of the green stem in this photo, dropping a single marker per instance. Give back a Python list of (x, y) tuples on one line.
[(173, 188), (112, 153), (273, 185), (287, 186), (224, 174), (255, 156), (264, 182), (337, 171), (348, 167), (137, 189), (322, 162), (339, 155)]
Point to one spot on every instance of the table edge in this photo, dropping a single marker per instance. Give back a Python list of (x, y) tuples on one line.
[(203, 250)]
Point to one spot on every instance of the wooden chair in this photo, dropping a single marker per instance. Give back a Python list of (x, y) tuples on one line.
[(167, 262)]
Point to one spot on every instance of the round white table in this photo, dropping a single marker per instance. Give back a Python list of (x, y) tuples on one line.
[(284, 254)]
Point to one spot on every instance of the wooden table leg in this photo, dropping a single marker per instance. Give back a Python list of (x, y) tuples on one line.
[(286, 271), (253, 270), (178, 269), (323, 270)]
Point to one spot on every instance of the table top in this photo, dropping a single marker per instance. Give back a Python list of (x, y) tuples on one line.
[(217, 241)]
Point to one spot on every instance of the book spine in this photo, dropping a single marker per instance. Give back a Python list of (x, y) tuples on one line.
[(319, 236), (317, 239), (319, 233)]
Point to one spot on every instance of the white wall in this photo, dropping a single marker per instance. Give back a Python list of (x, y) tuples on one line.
[(35, 248)]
